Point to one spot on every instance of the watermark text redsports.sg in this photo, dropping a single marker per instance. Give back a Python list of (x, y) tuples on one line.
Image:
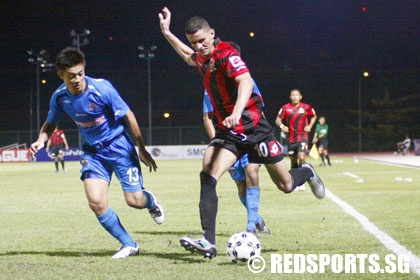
[(336, 263)]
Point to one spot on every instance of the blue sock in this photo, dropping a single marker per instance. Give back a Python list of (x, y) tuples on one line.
[(111, 223), (243, 200), (252, 204), (150, 201)]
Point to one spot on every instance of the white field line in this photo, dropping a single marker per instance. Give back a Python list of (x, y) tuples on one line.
[(351, 175), (384, 238)]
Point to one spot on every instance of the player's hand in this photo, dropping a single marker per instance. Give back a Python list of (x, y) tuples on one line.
[(307, 128), (165, 20), (36, 146), (147, 159), (285, 129), (232, 120)]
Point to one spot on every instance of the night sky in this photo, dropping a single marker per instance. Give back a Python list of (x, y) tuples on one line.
[(321, 47)]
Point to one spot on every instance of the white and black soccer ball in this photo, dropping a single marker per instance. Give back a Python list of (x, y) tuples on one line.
[(242, 246)]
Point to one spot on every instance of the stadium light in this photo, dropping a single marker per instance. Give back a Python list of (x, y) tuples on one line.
[(365, 75), (167, 116), (40, 60), (148, 54), (77, 36)]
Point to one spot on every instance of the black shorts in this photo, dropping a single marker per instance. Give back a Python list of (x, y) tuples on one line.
[(323, 143), (261, 146), (298, 147), (56, 150)]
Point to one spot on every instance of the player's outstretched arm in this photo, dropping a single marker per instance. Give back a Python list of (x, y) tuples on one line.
[(181, 49), (134, 129), (45, 133)]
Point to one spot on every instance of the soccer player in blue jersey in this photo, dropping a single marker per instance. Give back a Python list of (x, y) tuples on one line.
[(103, 118), (249, 196)]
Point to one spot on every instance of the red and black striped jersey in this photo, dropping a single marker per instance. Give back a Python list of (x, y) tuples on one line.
[(57, 137), (219, 71), (296, 118)]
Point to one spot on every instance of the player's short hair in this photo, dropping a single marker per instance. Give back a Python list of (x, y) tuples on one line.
[(296, 89), (194, 24), (69, 57)]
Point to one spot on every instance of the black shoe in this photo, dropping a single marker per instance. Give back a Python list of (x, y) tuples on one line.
[(262, 227), (201, 246)]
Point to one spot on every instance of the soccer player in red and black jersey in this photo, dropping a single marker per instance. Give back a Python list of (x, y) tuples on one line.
[(300, 118), (240, 125), (57, 142)]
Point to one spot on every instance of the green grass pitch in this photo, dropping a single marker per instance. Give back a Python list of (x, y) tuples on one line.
[(49, 232)]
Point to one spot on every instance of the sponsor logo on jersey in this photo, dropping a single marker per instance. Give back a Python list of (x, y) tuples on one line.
[(237, 62), (98, 121), (274, 148), (92, 107)]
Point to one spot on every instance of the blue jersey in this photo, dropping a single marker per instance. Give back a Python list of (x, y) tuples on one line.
[(208, 107), (97, 112)]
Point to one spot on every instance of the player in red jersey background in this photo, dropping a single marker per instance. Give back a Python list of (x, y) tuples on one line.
[(57, 142), (297, 119)]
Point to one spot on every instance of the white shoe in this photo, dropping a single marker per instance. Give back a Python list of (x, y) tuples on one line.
[(156, 212), (126, 251), (301, 187)]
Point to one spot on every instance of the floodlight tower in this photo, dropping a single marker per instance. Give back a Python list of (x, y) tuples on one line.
[(148, 54)]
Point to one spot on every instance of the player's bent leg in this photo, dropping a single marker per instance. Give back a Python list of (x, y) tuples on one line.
[(280, 176), (146, 199)]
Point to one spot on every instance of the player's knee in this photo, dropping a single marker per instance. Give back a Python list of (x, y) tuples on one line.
[(97, 207), (286, 187)]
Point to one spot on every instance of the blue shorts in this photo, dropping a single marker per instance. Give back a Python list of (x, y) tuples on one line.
[(120, 157), (237, 171)]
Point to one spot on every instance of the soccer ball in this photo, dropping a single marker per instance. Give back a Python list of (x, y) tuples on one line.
[(242, 246)]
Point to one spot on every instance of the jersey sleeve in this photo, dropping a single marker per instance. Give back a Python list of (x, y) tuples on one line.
[(114, 100), (310, 111), (280, 114), (235, 66)]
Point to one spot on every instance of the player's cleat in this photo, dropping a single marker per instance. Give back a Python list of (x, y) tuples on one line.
[(316, 184), (156, 212), (126, 251), (253, 231), (262, 227), (200, 246), (65, 170)]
